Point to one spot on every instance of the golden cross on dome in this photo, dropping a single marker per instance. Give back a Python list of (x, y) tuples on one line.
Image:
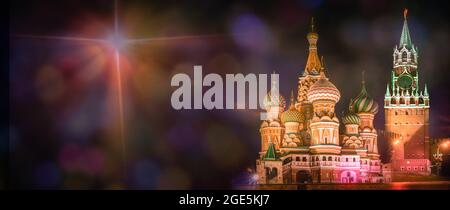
[(363, 78)]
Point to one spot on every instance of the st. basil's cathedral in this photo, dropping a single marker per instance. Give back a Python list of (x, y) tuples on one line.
[(302, 144)]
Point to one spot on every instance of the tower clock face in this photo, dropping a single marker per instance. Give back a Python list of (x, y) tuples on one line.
[(405, 81)]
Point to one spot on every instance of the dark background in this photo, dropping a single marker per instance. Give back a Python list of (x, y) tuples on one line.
[(63, 114)]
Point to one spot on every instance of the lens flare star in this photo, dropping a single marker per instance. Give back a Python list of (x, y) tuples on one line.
[(117, 43)]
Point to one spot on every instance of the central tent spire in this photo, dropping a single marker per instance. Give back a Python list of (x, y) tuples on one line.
[(313, 64)]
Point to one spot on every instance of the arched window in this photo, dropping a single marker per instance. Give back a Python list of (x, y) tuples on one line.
[(304, 159), (346, 159), (404, 56), (325, 140), (324, 158), (354, 160), (330, 158), (317, 158), (274, 172)]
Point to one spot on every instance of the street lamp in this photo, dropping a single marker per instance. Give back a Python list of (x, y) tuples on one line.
[(438, 156), (395, 150)]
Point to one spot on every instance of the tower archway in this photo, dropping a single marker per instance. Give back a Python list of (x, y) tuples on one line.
[(303, 177)]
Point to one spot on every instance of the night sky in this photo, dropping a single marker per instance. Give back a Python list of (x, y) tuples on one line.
[(63, 101)]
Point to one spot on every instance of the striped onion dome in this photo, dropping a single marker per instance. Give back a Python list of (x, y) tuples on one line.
[(351, 118), (292, 114), (274, 101), (363, 103), (323, 90)]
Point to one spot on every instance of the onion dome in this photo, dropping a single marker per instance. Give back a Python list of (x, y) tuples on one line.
[(363, 103), (323, 90), (351, 117), (275, 100), (292, 114)]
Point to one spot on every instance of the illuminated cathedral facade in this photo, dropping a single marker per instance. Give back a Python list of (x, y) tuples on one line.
[(303, 144)]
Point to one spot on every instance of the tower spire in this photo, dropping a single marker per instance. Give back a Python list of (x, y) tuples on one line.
[(291, 106), (363, 83), (405, 38), (313, 64), (388, 93)]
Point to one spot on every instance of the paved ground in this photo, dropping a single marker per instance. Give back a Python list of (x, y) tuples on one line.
[(421, 185)]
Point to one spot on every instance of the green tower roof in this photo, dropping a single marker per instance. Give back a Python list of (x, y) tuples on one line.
[(270, 153), (405, 39)]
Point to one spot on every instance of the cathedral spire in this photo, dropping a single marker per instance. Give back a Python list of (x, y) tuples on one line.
[(363, 84), (405, 38), (292, 99), (313, 64)]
